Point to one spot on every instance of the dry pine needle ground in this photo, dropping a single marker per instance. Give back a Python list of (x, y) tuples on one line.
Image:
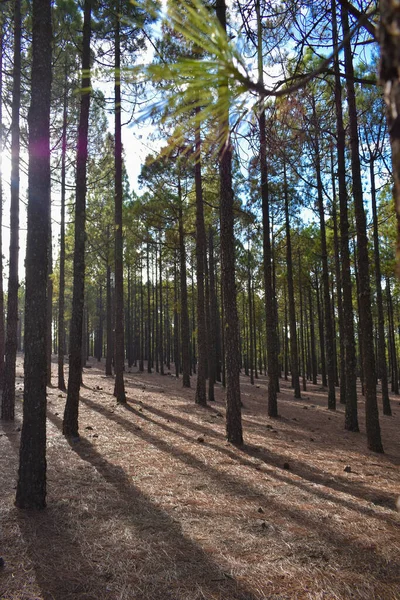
[(154, 504)]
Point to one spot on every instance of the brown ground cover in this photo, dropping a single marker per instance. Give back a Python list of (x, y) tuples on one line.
[(154, 504)]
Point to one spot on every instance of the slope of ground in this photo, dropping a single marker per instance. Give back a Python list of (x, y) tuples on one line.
[(154, 504)]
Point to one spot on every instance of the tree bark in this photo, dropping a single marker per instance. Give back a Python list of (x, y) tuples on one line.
[(49, 300), (379, 301), (70, 422), (61, 296), (351, 417), (161, 352), (389, 76), (31, 487), (8, 403), (119, 389), (371, 405), (2, 328), (231, 326), (325, 276), (201, 396), (294, 355), (185, 334), (213, 322)]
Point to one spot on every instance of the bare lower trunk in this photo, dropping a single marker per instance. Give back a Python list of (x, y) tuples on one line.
[(70, 423), (31, 488), (371, 406), (8, 403)]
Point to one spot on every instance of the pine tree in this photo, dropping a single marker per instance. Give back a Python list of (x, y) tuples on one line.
[(31, 488)]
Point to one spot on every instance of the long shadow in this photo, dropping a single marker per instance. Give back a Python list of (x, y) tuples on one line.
[(304, 470), (231, 485), (258, 405), (169, 547), (62, 569), (349, 551), (49, 538), (270, 459)]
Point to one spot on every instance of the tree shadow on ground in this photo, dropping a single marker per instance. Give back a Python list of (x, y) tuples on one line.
[(182, 567), (302, 469), (234, 485)]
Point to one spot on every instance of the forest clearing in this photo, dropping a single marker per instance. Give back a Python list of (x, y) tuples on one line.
[(153, 503)]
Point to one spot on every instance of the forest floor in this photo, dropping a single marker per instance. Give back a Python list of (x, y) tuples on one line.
[(153, 504)]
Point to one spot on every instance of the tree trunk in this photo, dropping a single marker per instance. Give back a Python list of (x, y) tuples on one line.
[(325, 276), (70, 423), (351, 418), (394, 362), (314, 368), (8, 403), (185, 334), (303, 360), (294, 355), (201, 396), (231, 326), (61, 296), (2, 328), (211, 306), (148, 328), (119, 389), (31, 487), (270, 313), (381, 320), (141, 322), (161, 309), (251, 332), (321, 332), (177, 360), (371, 405), (342, 360), (389, 76), (49, 300)]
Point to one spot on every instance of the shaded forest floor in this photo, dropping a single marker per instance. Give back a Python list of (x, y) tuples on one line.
[(154, 504)]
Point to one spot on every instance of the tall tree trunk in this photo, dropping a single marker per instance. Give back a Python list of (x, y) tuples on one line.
[(8, 403), (49, 300), (185, 334), (110, 336), (321, 331), (342, 360), (119, 389), (314, 367), (161, 309), (285, 336), (371, 405), (2, 328), (325, 275), (389, 76), (31, 487), (303, 360), (149, 356), (213, 323), (177, 360), (201, 397), (231, 330), (394, 365), (381, 320), (61, 294), (294, 355), (141, 356), (351, 417), (270, 313), (70, 423), (251, 331), (155, 303)]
